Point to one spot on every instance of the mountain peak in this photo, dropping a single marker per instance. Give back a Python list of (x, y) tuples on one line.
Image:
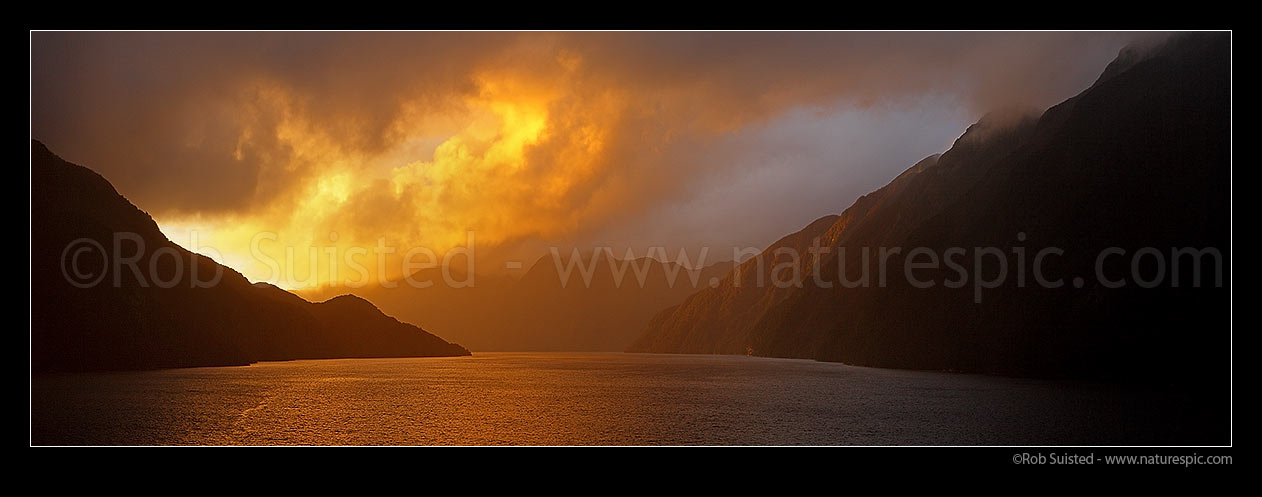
[(1141, 159), (132, 322), (349, 299)]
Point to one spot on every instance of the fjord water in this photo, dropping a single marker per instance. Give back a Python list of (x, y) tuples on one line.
[(594, 399)]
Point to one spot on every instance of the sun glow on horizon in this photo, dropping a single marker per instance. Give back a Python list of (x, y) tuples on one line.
[(522, 143)]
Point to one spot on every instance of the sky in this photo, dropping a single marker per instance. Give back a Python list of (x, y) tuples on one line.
[(307, 144)]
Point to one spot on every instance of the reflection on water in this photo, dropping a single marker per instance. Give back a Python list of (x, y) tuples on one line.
[(562, 398)]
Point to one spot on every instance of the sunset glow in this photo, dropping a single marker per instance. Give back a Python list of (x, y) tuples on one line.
[(519, 143), (527, 140), (1015, 239)]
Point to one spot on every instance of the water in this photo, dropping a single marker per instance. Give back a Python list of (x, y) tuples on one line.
[(586, 399)]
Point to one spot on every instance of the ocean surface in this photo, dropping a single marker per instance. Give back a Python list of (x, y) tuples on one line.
[(594, 399)]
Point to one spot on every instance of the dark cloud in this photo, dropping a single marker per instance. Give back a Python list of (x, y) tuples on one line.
[(558, 137)]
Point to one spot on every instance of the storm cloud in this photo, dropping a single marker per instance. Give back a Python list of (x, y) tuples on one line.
[(530, 139)]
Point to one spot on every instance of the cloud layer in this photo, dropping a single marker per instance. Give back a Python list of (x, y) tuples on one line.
[(528, 138)]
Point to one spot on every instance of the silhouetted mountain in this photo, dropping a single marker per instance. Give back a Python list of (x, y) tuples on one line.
[(156, 315), (1140, 159), (731, 308), (537, 312)]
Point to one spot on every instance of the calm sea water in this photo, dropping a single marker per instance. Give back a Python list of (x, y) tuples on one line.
[(585, 399)]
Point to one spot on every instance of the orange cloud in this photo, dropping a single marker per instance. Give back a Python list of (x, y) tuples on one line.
[(297, 146)]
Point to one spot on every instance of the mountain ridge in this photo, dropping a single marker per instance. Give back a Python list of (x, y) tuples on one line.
[(1148, 137), (541, 312), (126, 320)]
